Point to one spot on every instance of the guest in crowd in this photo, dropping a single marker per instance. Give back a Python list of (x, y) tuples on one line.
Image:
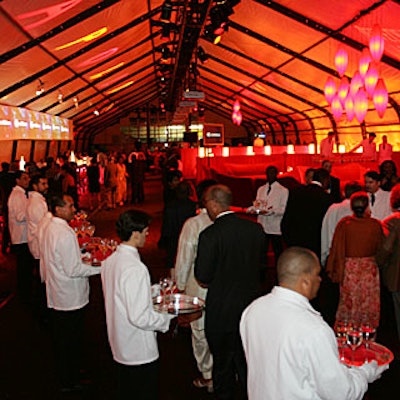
[(185, 280), (388, 175), (326, 145), (275, 196), (334, 183), (110, 183), (368, 145), (17, 205), (121, 193), (379, 199), (138, 177), (230, 256), (68, 184), (389, 255), (305, 210), (385, 150), (67, 287), (131, 319), (309, 176), (291, 352), (93, 175), (173, 177), (352, 264)]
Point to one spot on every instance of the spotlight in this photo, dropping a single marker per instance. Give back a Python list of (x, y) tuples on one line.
[(76, 102), (201, 54), (96, 113), (166, 12), (60, 97), (40, 88)]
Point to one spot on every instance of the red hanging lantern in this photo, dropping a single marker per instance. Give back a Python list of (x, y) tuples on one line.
[(371, 78), (341, 61), (364, 62), (356, 83), (376, 43), (330, 89), (349, 107), (380, 98), (343, 90), (360, 105), (337, 109)]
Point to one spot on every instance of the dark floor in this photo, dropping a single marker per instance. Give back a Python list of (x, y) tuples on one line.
[(26, 358)]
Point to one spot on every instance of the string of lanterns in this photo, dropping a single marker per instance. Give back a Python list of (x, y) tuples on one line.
[(353, 97), (236, 114)]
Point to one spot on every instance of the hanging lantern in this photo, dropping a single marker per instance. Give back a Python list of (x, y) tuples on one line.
[(343, 89), (360, 105), (238, 118), (356, 83), (380, 98), (341, 61), (236, 105), (329, 89), (376, 43), (336, 107), (349, 107), (370, 79), (364, 62)]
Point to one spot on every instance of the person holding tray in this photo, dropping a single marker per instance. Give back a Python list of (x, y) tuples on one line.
[(131, 320)]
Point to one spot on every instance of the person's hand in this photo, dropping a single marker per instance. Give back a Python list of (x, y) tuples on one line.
[(184, 320), (373, 370)]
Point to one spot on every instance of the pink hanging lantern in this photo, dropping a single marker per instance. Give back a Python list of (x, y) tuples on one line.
[(380, 98), (371, 78), (236, 105), (364, 62), (343, 90), (349, 107), (341, 61), (330, 89), (336, 106), (360, 105), (356, 83), (237, 117), (376, 43)]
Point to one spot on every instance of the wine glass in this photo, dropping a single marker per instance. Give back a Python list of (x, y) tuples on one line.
[(369, 335), (341, 328), (354, 338), (164, 283)]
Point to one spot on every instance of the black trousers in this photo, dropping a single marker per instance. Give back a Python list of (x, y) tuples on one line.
[(68, 329), (139, 382), (25, 267), (277, 245), (228, 360)]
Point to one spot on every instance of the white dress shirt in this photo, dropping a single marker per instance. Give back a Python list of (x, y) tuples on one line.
[(381, 208), (67, 283), (369, 148), (17, 203), (326, 147), (276, 204), (41, 228), (35, 211), (131, 319), (333, 215), (385, 152), (292, 353)]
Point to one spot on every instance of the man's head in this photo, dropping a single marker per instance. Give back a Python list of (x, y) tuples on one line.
[(351, 187), (217, 199), (133, 227), (372, 181), (272, 173), (39, 184), (395, 197), (371, 137), (174, 176), (298, 269), (22, 179), (321, 175), (388, 169), (326, 164), (309, 175), (384, 139), (201, 189), (331, 135), (5, 166), (359, 203), (62, 206)]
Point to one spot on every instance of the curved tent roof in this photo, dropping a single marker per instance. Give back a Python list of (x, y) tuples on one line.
[(110, 57)]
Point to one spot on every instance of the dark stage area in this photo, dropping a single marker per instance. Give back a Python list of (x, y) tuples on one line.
[(27, 369)]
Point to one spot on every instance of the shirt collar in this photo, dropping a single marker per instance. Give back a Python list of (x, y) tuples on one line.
[(316, 183), (224, 213), (293, 297)]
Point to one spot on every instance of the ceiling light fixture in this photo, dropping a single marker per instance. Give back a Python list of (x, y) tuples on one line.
[(166, 12), (40, 88)]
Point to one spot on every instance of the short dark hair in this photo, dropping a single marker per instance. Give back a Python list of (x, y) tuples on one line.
[(131, 221), (331, 133), (271, 167), (371, 134), (35, 179), (351, 187), (203, 186), (57, 200), (19, 173), (320, 174), (373, 175)]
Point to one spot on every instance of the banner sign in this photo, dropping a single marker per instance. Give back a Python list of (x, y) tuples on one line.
[(213, 135)]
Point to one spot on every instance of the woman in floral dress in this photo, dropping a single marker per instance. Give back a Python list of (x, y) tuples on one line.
[(352, 264)]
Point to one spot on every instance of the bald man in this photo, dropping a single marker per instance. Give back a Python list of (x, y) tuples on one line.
[(291, 352)]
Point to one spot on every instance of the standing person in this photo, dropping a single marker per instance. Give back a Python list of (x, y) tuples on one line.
[(379, 199), (185, 281), (334, 183), (17, 206), (326, 145), (352, 264), (230, 256), (67, 287), (138, 176), (385, 150), (388, 175), (291, 352), (131, 320), (121, 182), (93, 174), (110, 183), (275, 196), (368, 145), (68, 183)]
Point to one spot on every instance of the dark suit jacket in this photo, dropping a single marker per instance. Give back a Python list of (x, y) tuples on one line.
[(334, 187), (230, 256), (302, 221)]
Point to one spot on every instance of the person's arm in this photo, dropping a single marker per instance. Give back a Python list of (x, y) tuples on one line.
[(18, 206), (281, 206)]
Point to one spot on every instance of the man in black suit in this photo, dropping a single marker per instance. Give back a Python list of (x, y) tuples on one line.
[(305, 210), (334, 183), (231, 253)]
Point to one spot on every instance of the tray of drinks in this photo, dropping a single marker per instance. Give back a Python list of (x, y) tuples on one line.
[(96, 249), (178, 303), (366, 353)]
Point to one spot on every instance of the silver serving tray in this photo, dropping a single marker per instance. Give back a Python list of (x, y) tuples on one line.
[(178, 303)]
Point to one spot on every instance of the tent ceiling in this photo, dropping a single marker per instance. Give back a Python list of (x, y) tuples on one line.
[(105, 56)]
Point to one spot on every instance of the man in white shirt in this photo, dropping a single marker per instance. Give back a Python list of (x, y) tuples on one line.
[(385, 150), (379, 200), (185, 280), (131, 320), (368, 145), (275, 196), (291, 351), (67, 287), (326, 145), (17, 205)]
